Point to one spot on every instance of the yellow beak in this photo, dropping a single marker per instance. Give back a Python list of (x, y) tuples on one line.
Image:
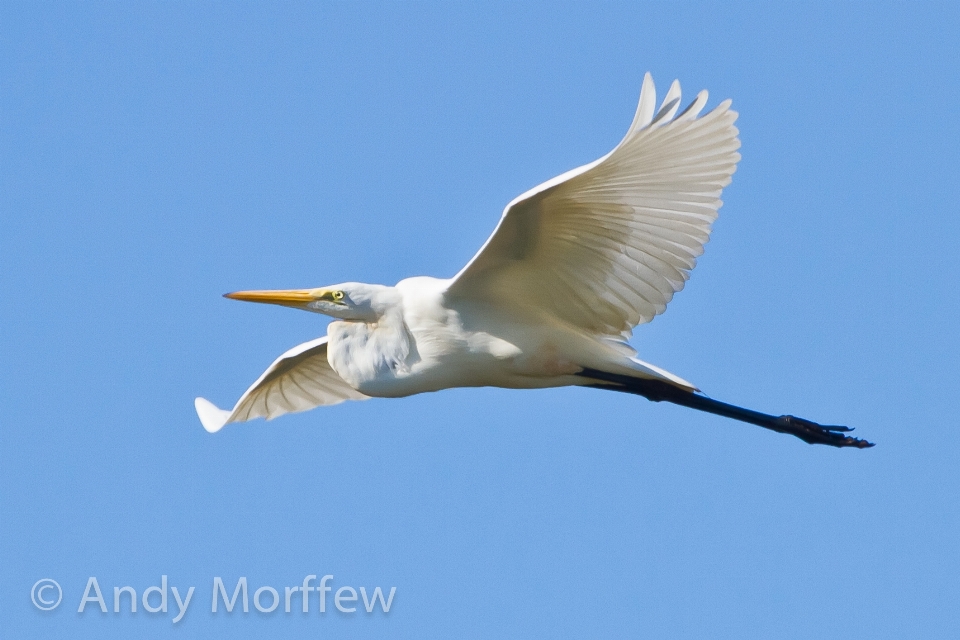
[(285, 297)]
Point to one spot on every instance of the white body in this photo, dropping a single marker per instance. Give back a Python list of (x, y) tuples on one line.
[(436, 341)]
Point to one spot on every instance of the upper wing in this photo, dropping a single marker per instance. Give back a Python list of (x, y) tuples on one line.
[(298, 380), (605, 246)]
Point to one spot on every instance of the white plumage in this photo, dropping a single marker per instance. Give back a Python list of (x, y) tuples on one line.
[(298, 380), (574, 264), (605, 246), (550, 299)]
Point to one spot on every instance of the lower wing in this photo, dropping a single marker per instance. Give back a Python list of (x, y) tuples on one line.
[(299, 380)]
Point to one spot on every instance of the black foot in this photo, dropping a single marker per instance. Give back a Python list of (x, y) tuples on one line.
[(659, 391), (814, 433)]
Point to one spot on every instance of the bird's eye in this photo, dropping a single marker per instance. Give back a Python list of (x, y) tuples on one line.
[(338, 295)]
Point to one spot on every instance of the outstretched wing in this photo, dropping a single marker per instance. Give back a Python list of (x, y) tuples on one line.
[(298, 380), (605, 246)]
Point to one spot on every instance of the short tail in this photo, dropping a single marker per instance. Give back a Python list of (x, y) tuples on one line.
[(656, 372)]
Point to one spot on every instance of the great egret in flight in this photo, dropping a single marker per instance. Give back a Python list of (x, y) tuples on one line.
[(551, 298)]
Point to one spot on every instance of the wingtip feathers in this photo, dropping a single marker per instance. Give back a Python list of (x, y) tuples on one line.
[(647, 104), (649, 115), (211, 417)]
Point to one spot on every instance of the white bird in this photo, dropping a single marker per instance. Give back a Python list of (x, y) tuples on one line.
[(551, 298)]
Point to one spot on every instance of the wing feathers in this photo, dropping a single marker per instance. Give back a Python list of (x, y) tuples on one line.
[(692, 111), (671, 102), (298, 380), (607, 245), (648, 102)]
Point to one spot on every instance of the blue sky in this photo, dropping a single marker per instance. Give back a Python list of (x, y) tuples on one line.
[(155, 156)]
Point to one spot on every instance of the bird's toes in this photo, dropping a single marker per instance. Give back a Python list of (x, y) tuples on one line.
[(815, 433), (836, 427)]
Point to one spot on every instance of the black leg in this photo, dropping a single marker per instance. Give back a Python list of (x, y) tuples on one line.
[(658, 391)]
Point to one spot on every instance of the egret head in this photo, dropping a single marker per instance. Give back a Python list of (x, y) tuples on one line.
[(348, 301)]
